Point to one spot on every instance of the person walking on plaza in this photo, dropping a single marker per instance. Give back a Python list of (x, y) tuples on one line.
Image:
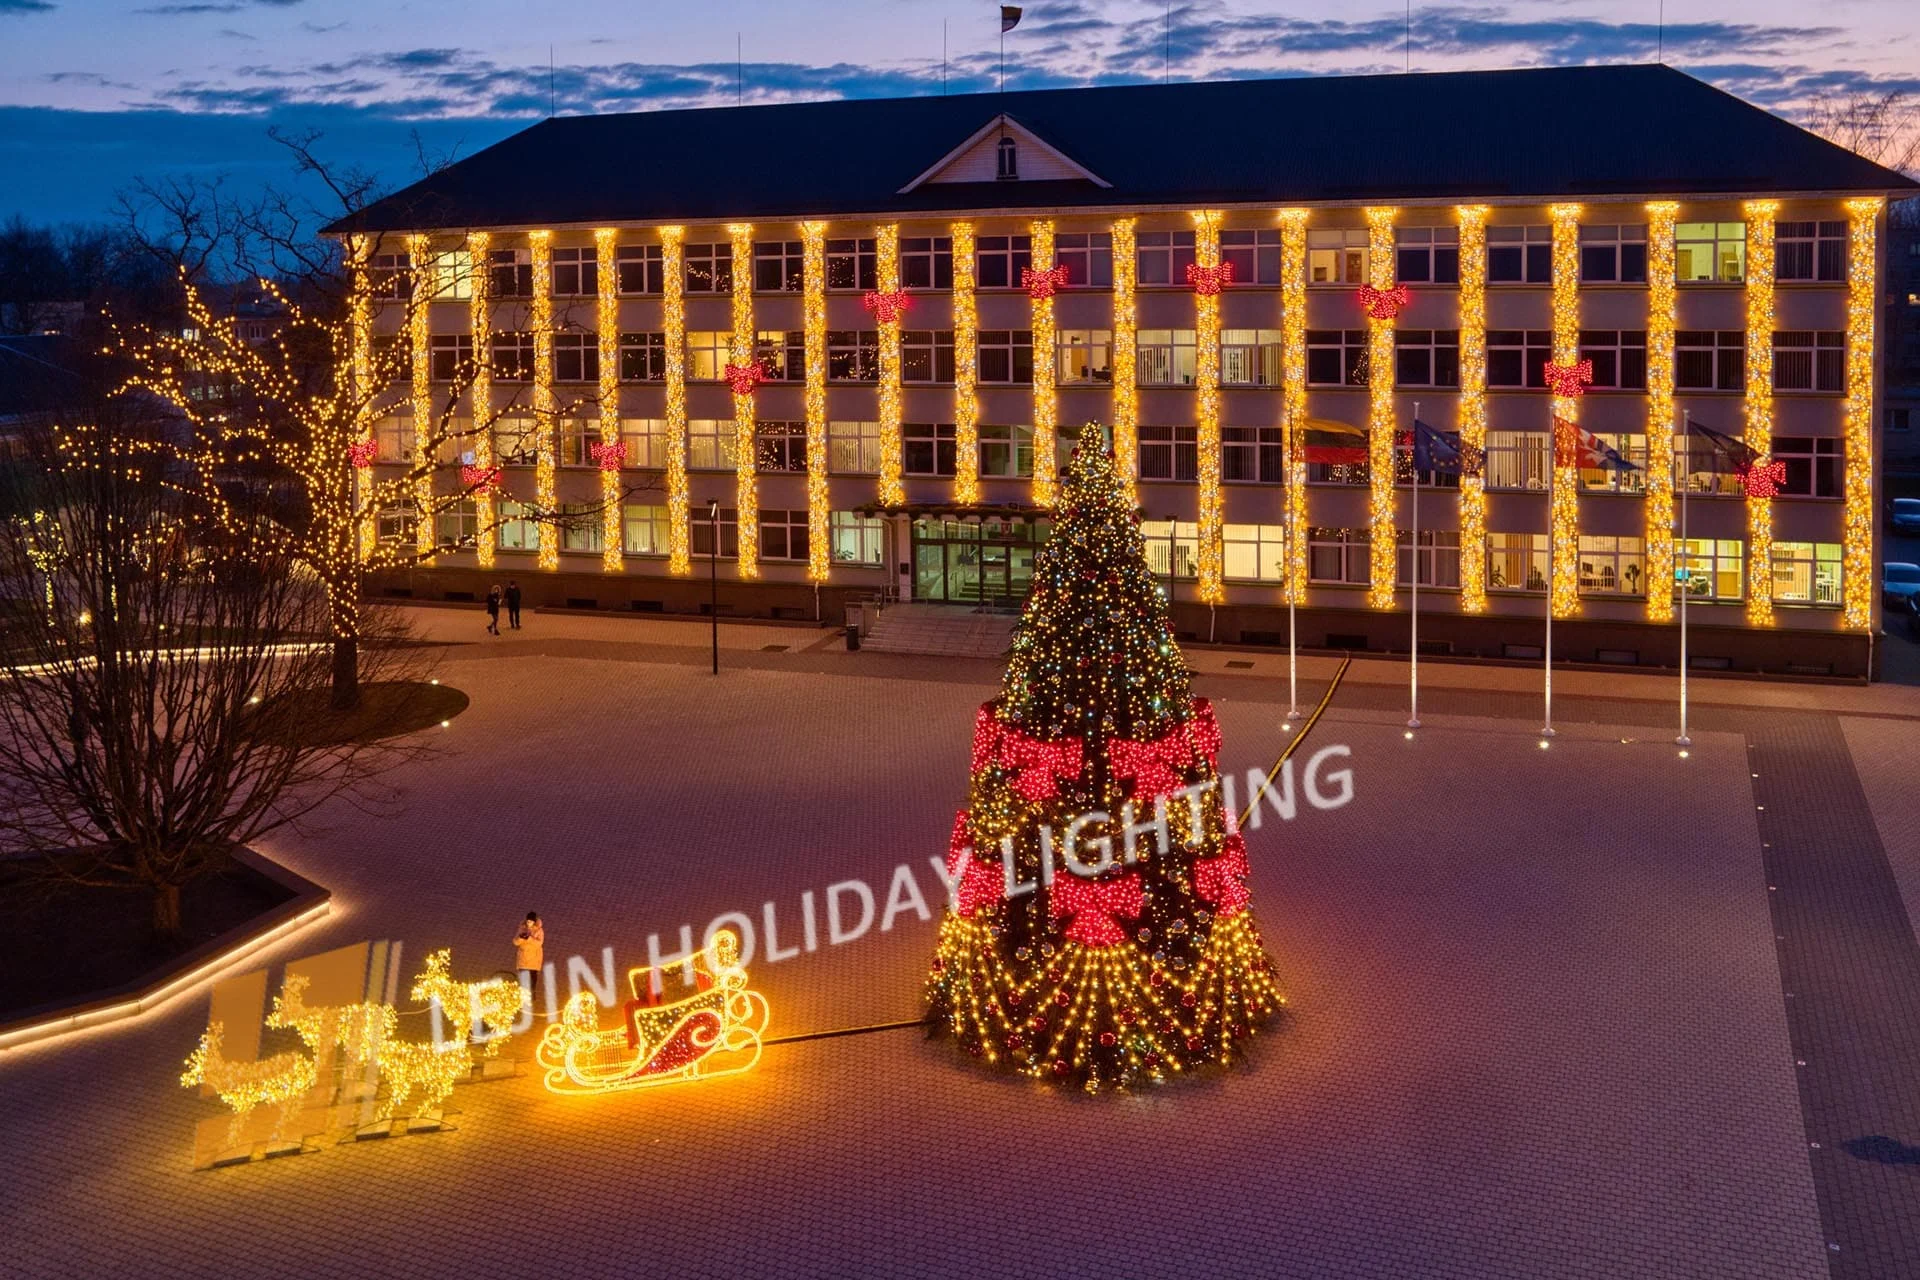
[(529, 952), (513, 604), (493, 609)]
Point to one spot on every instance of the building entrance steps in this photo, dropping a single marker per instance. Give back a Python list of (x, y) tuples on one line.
[(955, 631)]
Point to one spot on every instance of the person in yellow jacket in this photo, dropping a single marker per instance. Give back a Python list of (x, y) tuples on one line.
[(529, 947)]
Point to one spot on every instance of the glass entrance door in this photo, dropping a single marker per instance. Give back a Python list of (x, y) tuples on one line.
[(974, 562)]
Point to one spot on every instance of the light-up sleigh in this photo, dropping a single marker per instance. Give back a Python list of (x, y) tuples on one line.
[(715, 1031)]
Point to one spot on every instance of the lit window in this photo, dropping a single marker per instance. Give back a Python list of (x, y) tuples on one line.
[(1164, 357), (1337, 256), (855, 538), (1710, 252), (644, 530), (1806, 573), (711, 445), (1709, 568), (853, 448), (1339, 555), (1517, 562)]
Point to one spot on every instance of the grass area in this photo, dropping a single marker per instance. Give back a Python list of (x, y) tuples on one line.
[(386, 710)]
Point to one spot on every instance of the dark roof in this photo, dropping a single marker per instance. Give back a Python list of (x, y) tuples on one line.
[(1551, 133)]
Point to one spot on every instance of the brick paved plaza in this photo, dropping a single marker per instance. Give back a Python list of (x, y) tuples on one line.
[(1538, 1027)]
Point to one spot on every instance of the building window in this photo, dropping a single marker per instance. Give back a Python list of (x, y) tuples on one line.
[(510, 274), (517, 530), (1006, 355), (856, 539), (1519, 255), (1250, 357), (1427, 358), (1806, 360), (1632, 447), (1705, 360), (853, 355), (390, 276), (639, 269), (577, 438), (1810, 250), (576, 357), (450, 276), (1001, 259), (709, 268), (1710, 252), (576, 273), (1517, 562), (516, 442), (702, 531), (393, 440), (1427, 255), (1087, 257), (1173, 547), (1086, 355), (1619, 358), (1337, 357), (853, 448), (1254, 552), (782, 354), (927, 448), (780, 446), (711, 445), (1337, 256), (1703, 469), (1518, 357), (451, 357), (1439, 559), (1613, 254), (512, 357), (1164, 357), (1006, 451), (646, 443), (1169, 453), (1254, 256), (851, 264), (1339, 555), (1709, 568), (1006, 155), (926, 262), (1813, 465), (779, 266), (396, 526), (926, 355), (1516, 460), (1899, 419), (457, 525), (1806, 572), (581, 529), (783, 535), (1251, 455), (644, 530), (708, 351), (643, 357), (1163, 256)]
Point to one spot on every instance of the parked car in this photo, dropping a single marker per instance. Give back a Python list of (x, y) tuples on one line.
[(1899, 582), (1911, 612), (1904, 515)]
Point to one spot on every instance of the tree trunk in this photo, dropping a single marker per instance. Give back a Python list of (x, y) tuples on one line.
[(166, 912), (346, 673)]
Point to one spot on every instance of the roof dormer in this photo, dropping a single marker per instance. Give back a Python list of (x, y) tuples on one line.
[(1004, 150)]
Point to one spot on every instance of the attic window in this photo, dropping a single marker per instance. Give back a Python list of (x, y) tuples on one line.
[(1009, 160)]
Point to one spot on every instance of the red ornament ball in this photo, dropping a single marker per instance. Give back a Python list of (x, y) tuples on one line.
[(1108, 1039)]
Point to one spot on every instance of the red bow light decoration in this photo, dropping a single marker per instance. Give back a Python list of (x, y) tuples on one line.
[(480, 479), (609, 455), (979, 884), (743, 378), (1209, 280), (1222, 880), (360, 453), (887, 306), (1763, 479), (1569, 379), (1041, 765), (1156, 767), (1385, 304), (1094, 904), (1043, 284)]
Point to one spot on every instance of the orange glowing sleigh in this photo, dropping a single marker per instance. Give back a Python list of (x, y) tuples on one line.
[(713, 1032)]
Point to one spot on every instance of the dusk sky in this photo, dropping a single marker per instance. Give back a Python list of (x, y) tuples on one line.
[(95, 92)]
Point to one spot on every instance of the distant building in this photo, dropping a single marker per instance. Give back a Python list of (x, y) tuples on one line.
[(1064, 256), (1902, 345)]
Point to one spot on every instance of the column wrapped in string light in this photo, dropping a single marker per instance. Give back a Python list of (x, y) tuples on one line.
[(886, 261), (1856, 548), (607, 269), (1293, 392), (1564, 517), (1209, 578), (1661, 319), (966, 369), (480, 389), (1473, 406), (813, 301), (545, 470), (1759, 425), (1045, 363), (419, 333), (673, 319), (1126, 319), (1384, 560), (746, 491), (360, 360)]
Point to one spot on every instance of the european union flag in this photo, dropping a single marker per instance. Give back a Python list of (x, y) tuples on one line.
[(1435, 450)]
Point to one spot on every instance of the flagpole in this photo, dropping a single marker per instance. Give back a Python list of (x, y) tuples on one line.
[(1413, 657), (1686, 586), (1293, 586), (1553, 467)]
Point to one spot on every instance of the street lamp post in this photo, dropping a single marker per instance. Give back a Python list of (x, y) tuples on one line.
[(713, 577)]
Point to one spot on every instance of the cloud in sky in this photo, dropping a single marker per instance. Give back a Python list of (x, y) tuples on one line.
[(25, 6)]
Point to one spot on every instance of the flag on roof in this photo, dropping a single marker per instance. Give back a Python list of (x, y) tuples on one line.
[(1575, 446), (1325, 440)]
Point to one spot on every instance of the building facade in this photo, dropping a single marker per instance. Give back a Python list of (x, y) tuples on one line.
[(847, 342)]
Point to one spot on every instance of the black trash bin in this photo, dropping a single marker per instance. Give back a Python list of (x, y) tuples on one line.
[(853, 636)]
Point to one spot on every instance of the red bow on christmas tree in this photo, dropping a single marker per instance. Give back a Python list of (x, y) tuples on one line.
[(1095, 906), (979, 884), (1043, 284), (609, 455), (1385, 304), (1209, 280), (1223, 880), (1569, 379), (481, 479), (887, 306), (743, 378), (1041, 764), (360, 453)]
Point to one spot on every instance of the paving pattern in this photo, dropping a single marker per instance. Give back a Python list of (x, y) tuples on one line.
[(1538, 1019)]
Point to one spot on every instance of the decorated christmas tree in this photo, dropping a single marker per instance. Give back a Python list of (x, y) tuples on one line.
[(1101, 933)]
